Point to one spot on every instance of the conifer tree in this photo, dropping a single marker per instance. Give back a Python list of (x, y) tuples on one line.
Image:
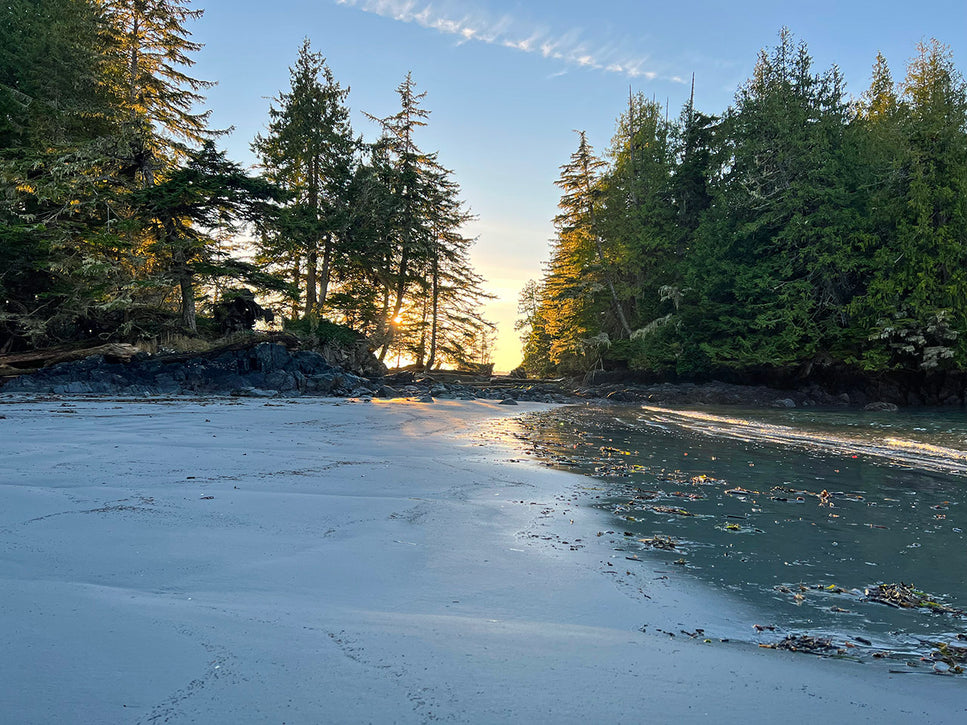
[(917, 301), (157, 97), (182, 212), (774, 261), (309, 150)]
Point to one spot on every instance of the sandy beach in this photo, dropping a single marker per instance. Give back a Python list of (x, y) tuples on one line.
[(333, 561)]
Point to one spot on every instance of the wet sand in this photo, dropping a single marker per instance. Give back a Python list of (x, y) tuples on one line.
[(342, 562)]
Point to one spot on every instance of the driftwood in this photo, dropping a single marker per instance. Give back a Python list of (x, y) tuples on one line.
[(25, 361)]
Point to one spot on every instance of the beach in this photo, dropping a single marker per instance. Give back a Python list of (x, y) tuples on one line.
[(341, 561)]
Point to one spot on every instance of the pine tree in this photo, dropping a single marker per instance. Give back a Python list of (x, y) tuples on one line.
[(59, 258), (413, 184)]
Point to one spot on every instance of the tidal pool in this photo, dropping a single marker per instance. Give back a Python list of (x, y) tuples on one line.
[(798, 512)]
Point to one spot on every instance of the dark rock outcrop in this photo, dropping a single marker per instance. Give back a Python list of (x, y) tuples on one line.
[(264, 369)]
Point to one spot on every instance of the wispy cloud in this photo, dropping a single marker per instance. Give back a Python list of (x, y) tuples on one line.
[(570, 48)]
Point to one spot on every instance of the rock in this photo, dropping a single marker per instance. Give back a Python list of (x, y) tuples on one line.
[(508, 401), (426, 398), (385, 391), (881, 406), (783, 403)]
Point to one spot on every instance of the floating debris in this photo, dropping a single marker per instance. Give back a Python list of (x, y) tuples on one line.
[(804, 643), (669, 510), (904, 596), (689, 496), (704, 480), (665, 543)]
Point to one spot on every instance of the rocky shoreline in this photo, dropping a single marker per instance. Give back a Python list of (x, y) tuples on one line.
[(270, 369)]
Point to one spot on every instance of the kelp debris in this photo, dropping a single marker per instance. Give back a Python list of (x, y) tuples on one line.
[(904, 596), (669, 510), (704, 480), (804, 643), (948, 658), (665, 543), (739, 491)]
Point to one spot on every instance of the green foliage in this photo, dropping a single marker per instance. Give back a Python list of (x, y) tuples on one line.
[(797, 229), (321, 331)]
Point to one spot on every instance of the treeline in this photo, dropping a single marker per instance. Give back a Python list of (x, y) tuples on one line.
[(120, 218), (798, 228)]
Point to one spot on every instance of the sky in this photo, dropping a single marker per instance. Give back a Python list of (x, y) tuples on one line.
[(509, 82)]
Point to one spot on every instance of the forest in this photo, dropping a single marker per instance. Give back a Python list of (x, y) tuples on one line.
[(799, 230), (122, 220)]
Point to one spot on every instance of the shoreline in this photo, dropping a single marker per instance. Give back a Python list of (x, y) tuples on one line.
[(356, 562)]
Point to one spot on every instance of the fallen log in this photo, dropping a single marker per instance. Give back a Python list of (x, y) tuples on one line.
[(22, 362)]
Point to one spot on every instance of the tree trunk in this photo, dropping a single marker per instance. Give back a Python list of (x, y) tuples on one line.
[(312, 244), (296, 281), (434, 312), (326, 272), (187, 301), (384, 316), (605, 267), (398, 305)]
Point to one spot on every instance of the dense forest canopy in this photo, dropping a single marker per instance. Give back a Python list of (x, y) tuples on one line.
[(798, 228), (120, 218)]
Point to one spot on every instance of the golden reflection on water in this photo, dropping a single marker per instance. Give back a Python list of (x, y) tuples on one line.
[(896, 451)]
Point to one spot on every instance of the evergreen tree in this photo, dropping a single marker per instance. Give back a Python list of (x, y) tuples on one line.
[(58, 256), (309, 150), (182, 212), (157, 98), (917, 301), (774, 260)]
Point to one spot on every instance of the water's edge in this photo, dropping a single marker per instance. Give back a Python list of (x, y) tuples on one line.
[(797, 515)]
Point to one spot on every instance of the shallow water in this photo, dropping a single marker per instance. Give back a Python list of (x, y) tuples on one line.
[(795, 511)]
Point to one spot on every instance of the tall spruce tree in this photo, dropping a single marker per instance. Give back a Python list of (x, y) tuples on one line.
[(58, 256), (310, 151), (917, 301), (157, 97), (774, 258)]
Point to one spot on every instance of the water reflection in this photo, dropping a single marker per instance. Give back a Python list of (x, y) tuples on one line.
[(798, 512)]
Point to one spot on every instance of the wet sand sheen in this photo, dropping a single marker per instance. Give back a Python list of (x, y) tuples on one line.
[(318, 561), (796, 515)]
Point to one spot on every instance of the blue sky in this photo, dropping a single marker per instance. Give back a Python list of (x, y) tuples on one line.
[(508, 82)]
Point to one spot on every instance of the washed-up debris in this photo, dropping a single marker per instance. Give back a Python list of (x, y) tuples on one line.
[(704, 480), (665, 543), (947, 658), (739, 491), (904, 596), (609, 450), (669, 510), (733, 528), (804, 643)]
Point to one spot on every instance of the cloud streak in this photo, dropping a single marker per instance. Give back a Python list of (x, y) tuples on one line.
[(508, 32)]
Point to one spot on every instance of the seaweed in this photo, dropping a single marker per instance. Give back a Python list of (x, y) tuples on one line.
[(905, 596)]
